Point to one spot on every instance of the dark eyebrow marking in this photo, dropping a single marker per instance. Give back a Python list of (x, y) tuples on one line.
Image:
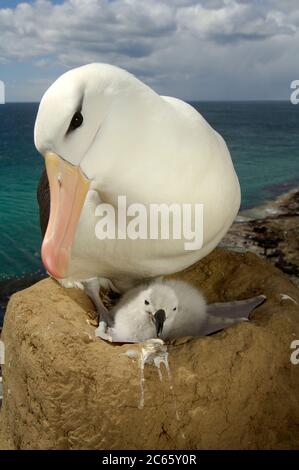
[(80, 104)]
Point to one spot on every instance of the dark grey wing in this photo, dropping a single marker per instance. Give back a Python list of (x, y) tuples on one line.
[(43, 199), (237, 308), (222, 315)]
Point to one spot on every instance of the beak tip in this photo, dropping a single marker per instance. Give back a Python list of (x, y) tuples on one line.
[(50, 263)]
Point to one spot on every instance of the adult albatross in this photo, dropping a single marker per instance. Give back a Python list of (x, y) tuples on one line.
[(104, 133)]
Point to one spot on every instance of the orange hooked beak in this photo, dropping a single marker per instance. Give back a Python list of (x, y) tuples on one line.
[(68, 189)]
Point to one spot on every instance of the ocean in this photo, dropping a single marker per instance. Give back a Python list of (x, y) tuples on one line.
[(263, 138)]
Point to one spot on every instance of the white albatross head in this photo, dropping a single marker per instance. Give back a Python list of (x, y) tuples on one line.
[(160, 303), (82, 111)]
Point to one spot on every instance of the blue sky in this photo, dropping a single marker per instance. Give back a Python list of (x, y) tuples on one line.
[(204, 49)]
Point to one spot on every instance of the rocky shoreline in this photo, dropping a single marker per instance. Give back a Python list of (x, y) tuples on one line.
[(271, 231)]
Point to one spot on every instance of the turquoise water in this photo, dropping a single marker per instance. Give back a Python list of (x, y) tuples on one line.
[(21, 166), (263, 138)]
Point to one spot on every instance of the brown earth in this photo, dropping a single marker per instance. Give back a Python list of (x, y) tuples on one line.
[(65, 389)]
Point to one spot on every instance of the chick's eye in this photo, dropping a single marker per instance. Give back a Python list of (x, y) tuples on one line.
[(76, 121), (174, 309), (146, 302)]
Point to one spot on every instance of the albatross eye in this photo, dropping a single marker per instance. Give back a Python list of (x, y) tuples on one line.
[(146, 302), (174, 309), (76, 121)]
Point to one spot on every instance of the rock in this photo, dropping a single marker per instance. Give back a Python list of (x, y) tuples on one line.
[(271, 231), (65, 389)]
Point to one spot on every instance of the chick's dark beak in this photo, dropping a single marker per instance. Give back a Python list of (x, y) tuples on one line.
[(159, 318)]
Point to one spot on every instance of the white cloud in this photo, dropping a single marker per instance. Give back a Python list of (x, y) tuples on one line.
[(201, 49)]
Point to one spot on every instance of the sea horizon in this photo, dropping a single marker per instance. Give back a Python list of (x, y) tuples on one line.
[(189, 101)]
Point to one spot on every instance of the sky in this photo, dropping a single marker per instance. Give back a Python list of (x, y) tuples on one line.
[(195, 50)]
